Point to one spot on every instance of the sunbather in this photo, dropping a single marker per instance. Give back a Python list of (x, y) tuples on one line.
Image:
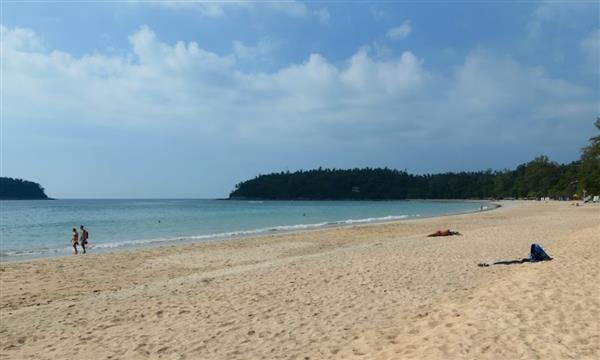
[(446, 232)]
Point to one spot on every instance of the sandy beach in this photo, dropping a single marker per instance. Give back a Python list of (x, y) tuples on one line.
[(380, 291)]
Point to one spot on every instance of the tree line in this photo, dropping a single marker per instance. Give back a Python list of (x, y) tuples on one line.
[(19, 189), (537, 178)]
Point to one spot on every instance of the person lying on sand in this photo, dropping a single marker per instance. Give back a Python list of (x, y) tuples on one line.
[(446, 232), (536, 253)]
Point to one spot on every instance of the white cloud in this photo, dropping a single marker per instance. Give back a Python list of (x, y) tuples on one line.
[(377, 14), (204, 8), (392, 77), (186, 89), (486, 85), (217, 8), (563, 13), (20, 39), (591, 50), (323, 15), (400, 32), (291, 7), (591, 44), (262, 49)]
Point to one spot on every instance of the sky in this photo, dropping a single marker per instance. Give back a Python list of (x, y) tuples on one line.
[(185, 99)]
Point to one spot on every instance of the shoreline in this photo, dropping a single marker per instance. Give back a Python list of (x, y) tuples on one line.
[(369, 291), (252, 233)]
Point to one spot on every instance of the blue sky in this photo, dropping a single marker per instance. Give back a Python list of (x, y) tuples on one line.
[(185, 99)]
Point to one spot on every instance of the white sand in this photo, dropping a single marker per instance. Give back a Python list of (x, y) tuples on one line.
[(374, 292)]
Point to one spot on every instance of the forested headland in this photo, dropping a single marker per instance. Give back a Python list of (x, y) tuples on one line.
[(537, 178), (18, 189)]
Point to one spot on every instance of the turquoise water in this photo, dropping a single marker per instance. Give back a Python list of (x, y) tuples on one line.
[(33, 229)]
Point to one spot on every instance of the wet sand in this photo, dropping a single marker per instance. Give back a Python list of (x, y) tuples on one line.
[(382, 291)]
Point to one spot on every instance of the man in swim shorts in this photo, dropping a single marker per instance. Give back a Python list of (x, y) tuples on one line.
[(84, 238)]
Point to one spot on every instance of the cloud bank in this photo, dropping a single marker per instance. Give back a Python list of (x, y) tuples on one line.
[(166, 85)]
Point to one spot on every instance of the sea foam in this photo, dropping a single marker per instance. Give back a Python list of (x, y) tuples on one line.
[(197, 238)]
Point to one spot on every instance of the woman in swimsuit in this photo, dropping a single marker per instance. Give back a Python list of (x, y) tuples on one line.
[(74, 240)]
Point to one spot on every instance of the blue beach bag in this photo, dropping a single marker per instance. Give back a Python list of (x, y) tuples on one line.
[(538, 254)]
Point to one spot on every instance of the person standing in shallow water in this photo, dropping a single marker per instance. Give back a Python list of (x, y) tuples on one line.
[(84, 238), (74, 240)]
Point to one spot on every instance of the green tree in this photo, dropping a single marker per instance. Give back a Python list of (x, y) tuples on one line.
[(20, 189), (589, 171)]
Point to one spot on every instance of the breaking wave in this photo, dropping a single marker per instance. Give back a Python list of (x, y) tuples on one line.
[(224, 235)]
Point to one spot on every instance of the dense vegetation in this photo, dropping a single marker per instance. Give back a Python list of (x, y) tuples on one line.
[(589, 171), (18, 189), (537, 178)]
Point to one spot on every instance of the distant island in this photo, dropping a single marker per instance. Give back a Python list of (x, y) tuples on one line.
[(537, 178), (19, 189)]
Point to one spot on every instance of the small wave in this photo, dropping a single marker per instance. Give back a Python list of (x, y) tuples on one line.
[(242, 233), (369, 220), (32, 253), (224, 235), (298, 227), (140, 242)]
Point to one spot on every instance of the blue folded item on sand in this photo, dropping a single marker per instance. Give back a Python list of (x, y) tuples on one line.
[(537, 253)]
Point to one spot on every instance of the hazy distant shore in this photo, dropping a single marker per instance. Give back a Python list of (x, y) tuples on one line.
[(365, 291)]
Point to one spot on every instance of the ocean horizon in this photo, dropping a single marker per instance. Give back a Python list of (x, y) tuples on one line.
[(32, 229)]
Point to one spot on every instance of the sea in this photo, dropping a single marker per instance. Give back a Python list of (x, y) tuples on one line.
[(31, 229)]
